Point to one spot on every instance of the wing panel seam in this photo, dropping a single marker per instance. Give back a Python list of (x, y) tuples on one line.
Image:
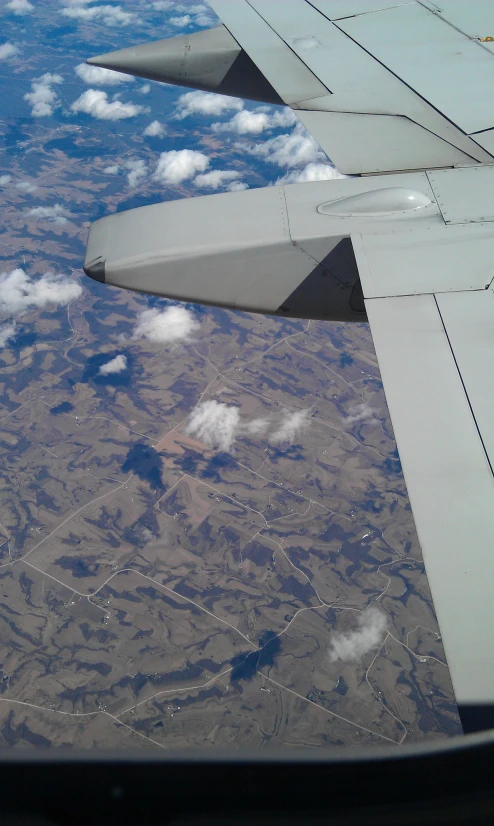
[(463, 383)]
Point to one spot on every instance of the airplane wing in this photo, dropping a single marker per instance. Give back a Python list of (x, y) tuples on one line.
[(384, 87)]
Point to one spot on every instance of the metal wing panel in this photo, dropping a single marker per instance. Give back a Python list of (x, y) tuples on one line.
[(468, 319), (449, 481), (473, 17), (464, 195), (291, 78), (443, 65), (357, 81), (425, 260), (315, 65)]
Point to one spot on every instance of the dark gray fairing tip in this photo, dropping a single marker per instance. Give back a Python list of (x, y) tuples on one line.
[(211, 60), (331, 292), (476, 717), (96, 270)]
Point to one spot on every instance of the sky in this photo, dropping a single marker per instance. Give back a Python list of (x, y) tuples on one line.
[(125, 142)]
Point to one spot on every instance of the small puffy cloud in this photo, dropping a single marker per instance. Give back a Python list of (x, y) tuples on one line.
[(111, 15), (358, 412), (180, 22), (7, 332), (219, 425), (111, 170), (137, 171), (289, 150), (94, 102), (155, 130), (311, 172), (196, 13), (7, 50), (56, 213), (167, 326), (205, 103), (26, 186), (244, 123), (290, 426), (253, 123), (214, 423), (116, 365), (42, 97), (5, 179), (20, 6), (206, 21), (145, 89), (237, 186), (101, 77), (351, 646), (180, 164), (18, 292), (216, 178)]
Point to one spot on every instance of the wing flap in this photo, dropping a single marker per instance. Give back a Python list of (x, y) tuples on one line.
[(378, 143), (448, 477)]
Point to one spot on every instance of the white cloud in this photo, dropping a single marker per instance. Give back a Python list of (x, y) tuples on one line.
[(5, 179), (288, 150), (7, 331), (206, 20), (205, 103), (353, 645), (137, 172), (101, 77), (42, 97), (94, 102), (359, 412), (216, 178), (26, 186), (145, 89), (56, 213), (197, 13), (18, 292), (155, 130), (237, 186), (180, 22), (253, 123), (111, 15), (167, 326), (244, 123), (77, 2), (214, 423), (115, 365), (311, 172), (290, 426), (219, 425), (195, 8), (20, 6), (7, 50), (111, 170), (179, 164)]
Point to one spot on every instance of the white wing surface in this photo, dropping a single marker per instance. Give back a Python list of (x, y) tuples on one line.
[(382, 86)]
